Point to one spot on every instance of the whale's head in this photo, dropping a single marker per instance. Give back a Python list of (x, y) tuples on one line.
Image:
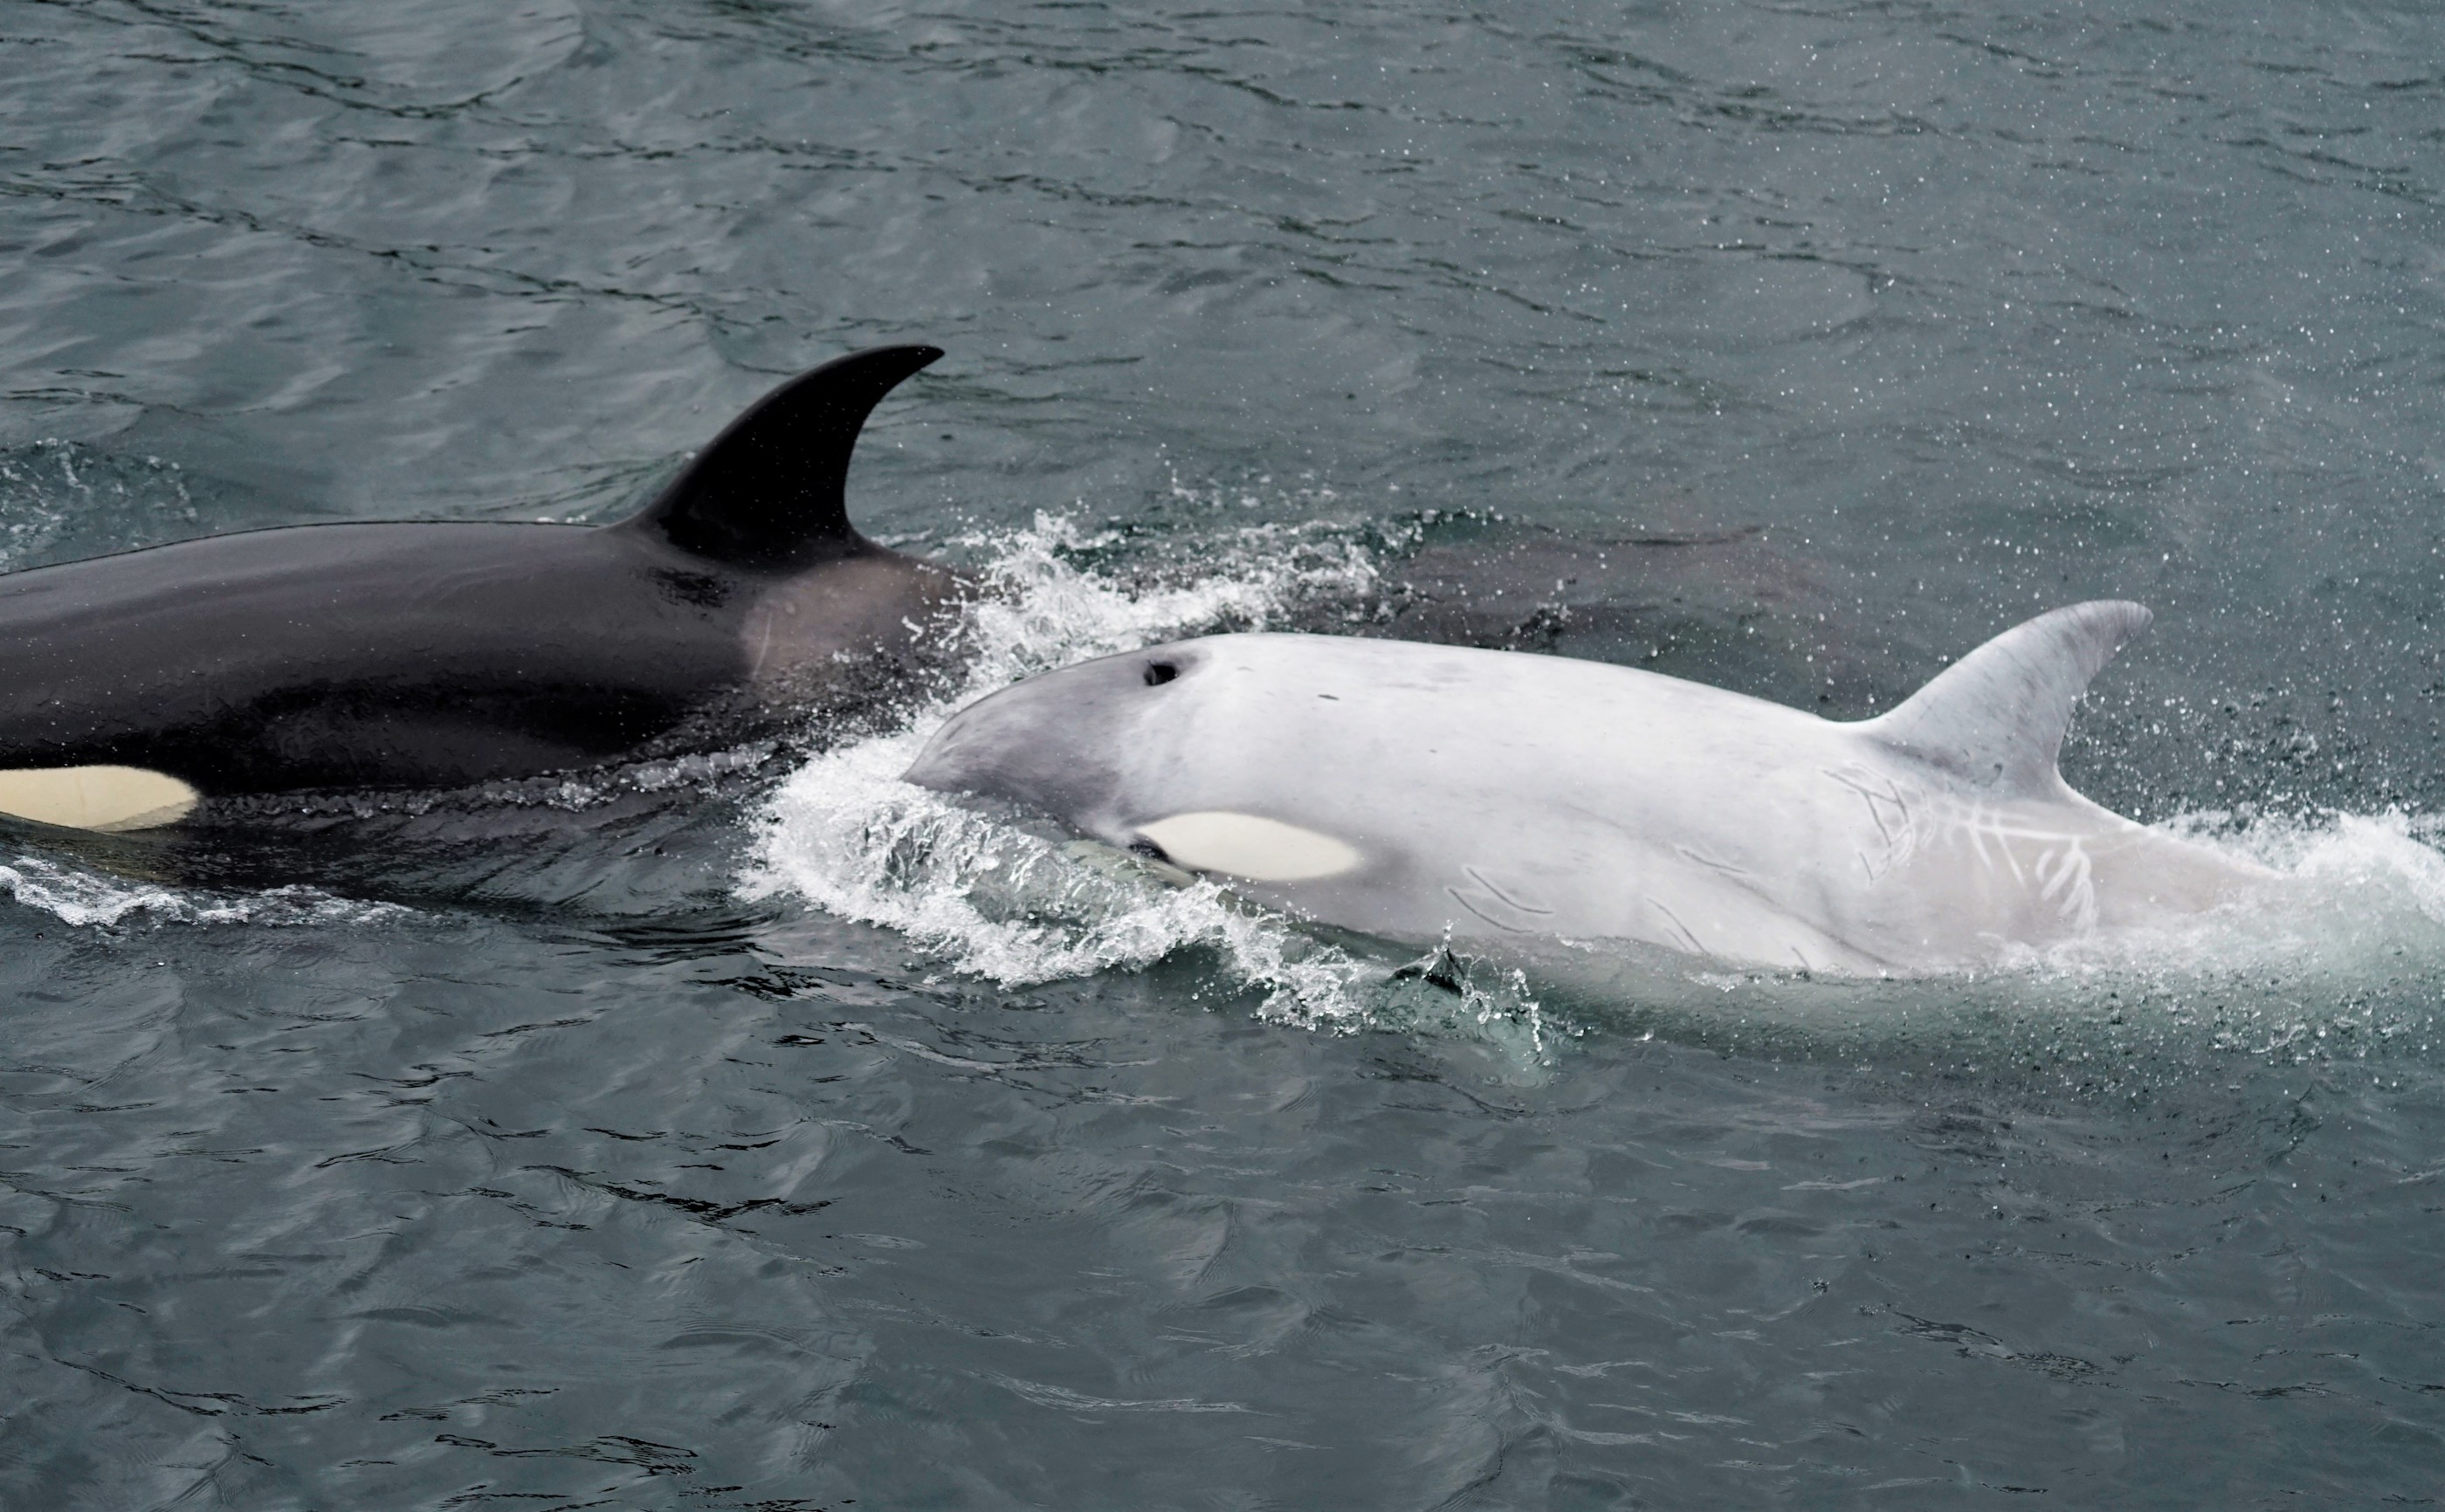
[(1181, 754), (1094, 746)]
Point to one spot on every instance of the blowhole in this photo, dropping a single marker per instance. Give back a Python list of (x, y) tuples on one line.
[(1159, 673), (1144, 846)]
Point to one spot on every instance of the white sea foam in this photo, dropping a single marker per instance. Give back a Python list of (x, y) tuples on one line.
[(1018, 908), (86, 900)]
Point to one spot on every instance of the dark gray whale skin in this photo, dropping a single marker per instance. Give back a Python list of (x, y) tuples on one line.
[(389, 656)]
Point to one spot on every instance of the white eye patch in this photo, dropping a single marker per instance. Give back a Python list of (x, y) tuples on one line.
[(96, 797), (1243, 844)]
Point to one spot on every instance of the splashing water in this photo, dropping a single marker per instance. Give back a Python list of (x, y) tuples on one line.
[(1048, 611), (998, 902), (2340, 966), (1019, 908), (2356, 892)]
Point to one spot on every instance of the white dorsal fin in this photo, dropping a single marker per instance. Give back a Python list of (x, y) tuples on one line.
[(1996, 717), (108, 798)]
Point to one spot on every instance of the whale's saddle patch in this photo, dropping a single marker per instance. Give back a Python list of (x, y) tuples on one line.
[(1996, 717), (768, 492)]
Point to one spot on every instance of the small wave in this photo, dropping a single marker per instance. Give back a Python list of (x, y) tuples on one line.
[(59, 500), (707, 773), (87, 901)]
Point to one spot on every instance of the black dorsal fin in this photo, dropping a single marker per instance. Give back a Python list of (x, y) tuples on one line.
[(767, 493), (1996, 717)]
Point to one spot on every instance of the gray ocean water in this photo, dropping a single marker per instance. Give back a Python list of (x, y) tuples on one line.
[(742, 1134)]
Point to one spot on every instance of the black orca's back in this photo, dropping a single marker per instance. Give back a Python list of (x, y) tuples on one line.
[(438, 655), (361, 655)]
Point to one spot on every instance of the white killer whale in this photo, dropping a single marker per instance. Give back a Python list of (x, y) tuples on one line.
[(1421, 792)]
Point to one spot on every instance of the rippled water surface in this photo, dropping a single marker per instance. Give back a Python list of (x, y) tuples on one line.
[(755, 1132)]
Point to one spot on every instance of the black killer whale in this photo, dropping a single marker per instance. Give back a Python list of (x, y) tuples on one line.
[(441, 654)]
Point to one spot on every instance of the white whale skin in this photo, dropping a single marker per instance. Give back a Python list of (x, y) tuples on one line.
[(1417, 791)]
